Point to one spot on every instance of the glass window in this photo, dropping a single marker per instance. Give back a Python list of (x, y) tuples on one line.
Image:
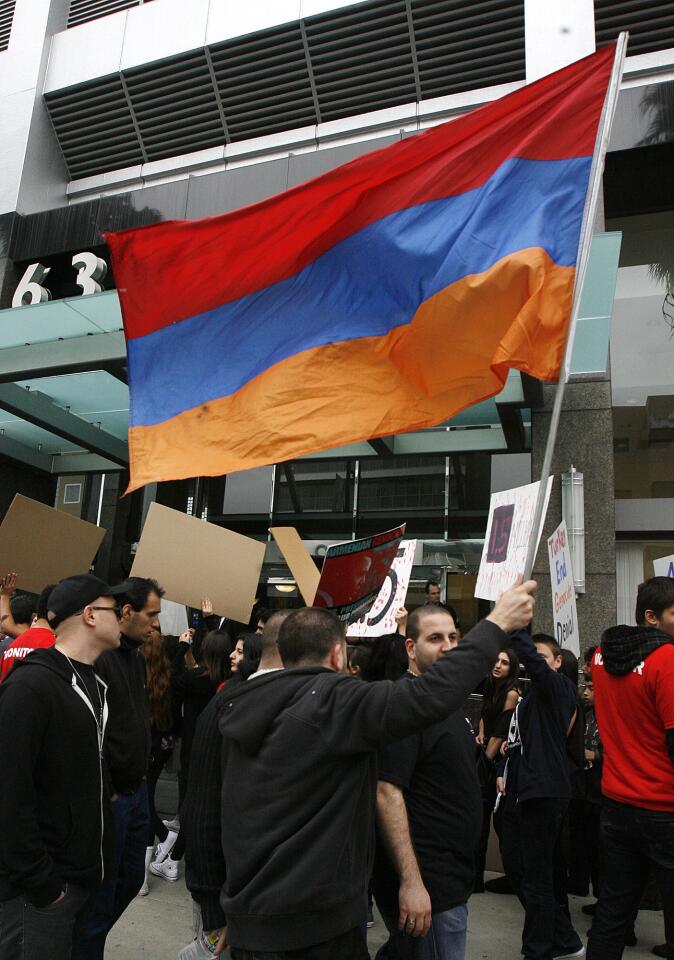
[(642, 354), (405, 488), (316, 497)]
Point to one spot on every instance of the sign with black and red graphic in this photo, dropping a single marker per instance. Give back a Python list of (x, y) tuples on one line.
[(353, 573)]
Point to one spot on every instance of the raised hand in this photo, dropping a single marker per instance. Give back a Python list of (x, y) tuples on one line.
[(8, 585)]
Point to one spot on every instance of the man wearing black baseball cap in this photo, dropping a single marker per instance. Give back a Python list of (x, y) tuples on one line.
[(54, 804)]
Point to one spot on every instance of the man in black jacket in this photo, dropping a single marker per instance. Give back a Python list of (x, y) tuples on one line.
[(299, 780), (127, 754), (54, 803)]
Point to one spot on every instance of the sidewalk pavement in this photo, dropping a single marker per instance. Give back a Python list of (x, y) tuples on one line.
[(157, 926)]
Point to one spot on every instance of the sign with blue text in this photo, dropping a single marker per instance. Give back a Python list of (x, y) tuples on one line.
[(564, 611)]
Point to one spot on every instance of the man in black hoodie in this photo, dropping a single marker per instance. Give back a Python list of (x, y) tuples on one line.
[(54, 804), (127, 754), (633, 680), (299, 780)]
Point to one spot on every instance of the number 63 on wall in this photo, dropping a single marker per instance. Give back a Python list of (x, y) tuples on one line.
[(90, 269)]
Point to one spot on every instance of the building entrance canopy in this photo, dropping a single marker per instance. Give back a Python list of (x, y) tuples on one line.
[(64, 401)]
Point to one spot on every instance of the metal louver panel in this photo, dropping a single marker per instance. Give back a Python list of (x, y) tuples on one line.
[(94, 127), (466, 46), (263, 82), (81, 11), (651, 24), (175, 106), (335, 65), (6, 17), (362, 59)]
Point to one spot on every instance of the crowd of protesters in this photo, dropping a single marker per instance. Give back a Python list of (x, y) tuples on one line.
[(315, 777)]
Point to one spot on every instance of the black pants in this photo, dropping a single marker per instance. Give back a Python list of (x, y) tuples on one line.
[(530, 832), (584, 847), (632, 841), (158, 761), (488, 800), (347, 946)]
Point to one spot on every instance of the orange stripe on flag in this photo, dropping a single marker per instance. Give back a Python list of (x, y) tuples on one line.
[(456, 351)]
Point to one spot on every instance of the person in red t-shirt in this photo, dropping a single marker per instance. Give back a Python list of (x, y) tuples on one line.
[(38, 636), (633, 679)]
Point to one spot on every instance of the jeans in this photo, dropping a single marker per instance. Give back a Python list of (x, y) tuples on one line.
[(347, 946), (125, 878), (632, 841), (33, 933), (530, 832), (446, 940)]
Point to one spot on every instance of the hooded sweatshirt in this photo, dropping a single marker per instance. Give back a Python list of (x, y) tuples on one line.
[(633, 679), (299, 786), (540, 768), (53, 800)]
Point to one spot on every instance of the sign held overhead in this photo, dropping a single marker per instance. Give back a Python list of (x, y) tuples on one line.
[(353, 573), (380, 618), (564, 611), (509, 529), (299, 561), (192, 559), (44, 545)]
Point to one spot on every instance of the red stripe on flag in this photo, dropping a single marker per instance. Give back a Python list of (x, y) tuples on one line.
[(171, 271)]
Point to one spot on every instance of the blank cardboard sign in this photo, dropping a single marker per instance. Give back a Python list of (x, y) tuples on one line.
[(192, 559), (298, 558), (43, 545)]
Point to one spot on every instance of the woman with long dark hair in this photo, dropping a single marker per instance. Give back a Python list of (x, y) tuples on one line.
[(193, 686), (162, 725), (500, 696), (245, 658)]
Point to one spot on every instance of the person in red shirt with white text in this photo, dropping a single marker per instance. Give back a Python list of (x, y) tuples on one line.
[(633, 679), (38, 636)]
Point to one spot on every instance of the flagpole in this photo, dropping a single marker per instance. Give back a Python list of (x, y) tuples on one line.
[(596, 171)]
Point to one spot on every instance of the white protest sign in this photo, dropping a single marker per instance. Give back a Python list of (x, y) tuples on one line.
[(664, 567), (380, 618), (509, 529), (564, 610), (172, 618)]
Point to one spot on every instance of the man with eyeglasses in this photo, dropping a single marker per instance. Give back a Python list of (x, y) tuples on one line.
[(56, 830), (127, 753)]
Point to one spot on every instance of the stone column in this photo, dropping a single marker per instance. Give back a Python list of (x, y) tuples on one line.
[(585, 439)]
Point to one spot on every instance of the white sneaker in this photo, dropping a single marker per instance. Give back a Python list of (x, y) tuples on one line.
[(164, 848), (149, 854), (580, 952), (168, 869), (172, 824)]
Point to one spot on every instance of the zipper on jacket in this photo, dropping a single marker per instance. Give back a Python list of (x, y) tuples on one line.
[(100, 734)]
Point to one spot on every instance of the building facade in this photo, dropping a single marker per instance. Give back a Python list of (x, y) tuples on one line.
[(120, 113)]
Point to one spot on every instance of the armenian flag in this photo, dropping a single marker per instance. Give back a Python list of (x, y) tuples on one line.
[(384, 296)]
